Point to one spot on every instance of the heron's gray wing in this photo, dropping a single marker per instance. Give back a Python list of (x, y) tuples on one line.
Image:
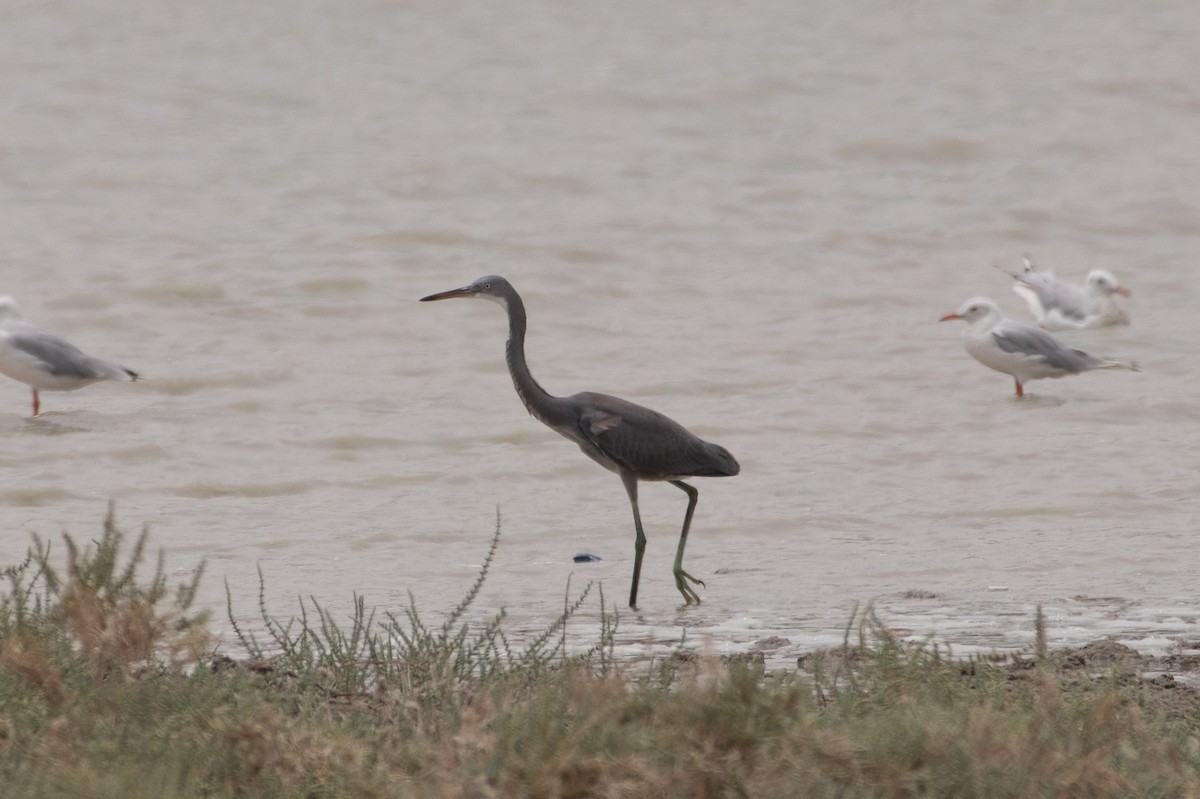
[(58, 357), (646, 442), (1036, 342)]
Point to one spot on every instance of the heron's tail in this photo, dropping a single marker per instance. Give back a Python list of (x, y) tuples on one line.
[(721, 463)]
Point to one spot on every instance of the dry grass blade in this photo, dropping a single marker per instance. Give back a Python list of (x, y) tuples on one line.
[(116, 622), (383, 705)]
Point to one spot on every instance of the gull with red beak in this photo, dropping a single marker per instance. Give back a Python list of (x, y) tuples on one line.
[(1023, 351), (45, 362)]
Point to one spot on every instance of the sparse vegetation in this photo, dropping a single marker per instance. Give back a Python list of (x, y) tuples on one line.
[(111, 686)]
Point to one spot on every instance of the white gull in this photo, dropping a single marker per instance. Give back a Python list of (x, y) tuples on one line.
[(45, 362), (1058, 305), (1023, 351)]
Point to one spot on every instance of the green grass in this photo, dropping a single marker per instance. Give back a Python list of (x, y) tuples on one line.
[(112, 686)]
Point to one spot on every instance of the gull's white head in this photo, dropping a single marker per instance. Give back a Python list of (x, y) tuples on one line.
[(9, 309), (975, 310), (1102, 283)]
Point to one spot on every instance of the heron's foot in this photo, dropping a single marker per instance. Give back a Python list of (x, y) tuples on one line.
[(690, 597)]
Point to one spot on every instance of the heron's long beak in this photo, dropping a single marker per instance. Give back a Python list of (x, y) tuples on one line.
[(1124, 292), (465, 291), (949, 316)]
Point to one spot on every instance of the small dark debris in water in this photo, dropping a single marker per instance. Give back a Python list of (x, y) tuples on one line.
[(771, 642), (1163, 681), (585, 558), (1104, 653), (737, 659)]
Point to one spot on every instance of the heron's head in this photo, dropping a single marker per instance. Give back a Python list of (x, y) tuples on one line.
[(488, 287)]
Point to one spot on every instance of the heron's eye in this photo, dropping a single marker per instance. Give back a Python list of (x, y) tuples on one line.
[(487, 286)]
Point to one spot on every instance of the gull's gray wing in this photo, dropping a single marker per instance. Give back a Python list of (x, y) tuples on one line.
[(59, 357), (1054, 294), (1035, 342)]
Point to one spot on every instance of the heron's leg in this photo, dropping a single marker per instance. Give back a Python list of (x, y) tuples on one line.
[(639, 544), (1020, 388), (36, 404), (689, 596)]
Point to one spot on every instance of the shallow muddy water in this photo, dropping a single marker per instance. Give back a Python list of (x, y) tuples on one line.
[(748, 217)]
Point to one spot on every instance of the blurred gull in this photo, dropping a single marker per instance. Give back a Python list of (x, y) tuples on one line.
[(1023, 351), (1062, 306), (45, 362)]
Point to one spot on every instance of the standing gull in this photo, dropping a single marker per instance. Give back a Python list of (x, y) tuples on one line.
[(635, 442), (1023, 351), (45, 362), (1058, 305)]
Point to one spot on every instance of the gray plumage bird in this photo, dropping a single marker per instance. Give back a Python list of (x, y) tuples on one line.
[(635, 442), (45, 362)]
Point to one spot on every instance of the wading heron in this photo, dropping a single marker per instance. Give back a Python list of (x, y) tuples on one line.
[(635, 442)]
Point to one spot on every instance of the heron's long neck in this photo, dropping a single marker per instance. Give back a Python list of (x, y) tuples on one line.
[(537, 400)]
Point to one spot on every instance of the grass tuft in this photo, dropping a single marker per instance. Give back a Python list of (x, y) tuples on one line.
[(102, 694), (370, 658)]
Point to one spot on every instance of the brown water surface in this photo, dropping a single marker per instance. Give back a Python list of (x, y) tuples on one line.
[(747, 216)]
